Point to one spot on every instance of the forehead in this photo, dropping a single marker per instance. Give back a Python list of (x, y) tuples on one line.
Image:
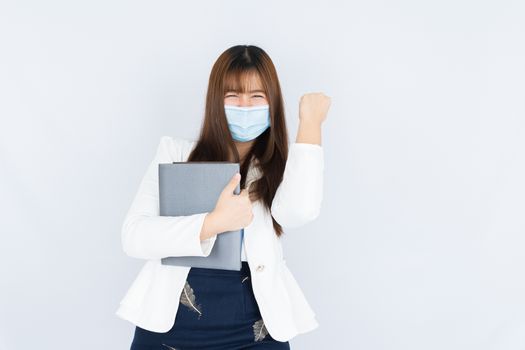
[(243, 81)]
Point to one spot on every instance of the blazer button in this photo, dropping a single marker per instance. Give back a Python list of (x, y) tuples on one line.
[(260, 268)]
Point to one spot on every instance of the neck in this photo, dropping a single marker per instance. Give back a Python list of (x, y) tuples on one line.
[(243, 148)]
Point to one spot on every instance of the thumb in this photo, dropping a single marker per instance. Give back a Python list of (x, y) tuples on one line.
[(230, 187)]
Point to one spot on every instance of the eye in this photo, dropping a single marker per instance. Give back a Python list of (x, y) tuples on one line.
[(230, 95), (258, 96)]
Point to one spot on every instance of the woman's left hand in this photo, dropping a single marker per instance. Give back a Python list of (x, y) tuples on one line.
[(313, 107)]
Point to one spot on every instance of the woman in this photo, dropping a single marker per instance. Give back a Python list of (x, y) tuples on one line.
[(261, 306)]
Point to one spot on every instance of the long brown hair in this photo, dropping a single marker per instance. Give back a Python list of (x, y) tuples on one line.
[(270, 149)]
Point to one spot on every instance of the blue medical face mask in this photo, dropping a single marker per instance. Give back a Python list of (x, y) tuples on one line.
[(246, 123)]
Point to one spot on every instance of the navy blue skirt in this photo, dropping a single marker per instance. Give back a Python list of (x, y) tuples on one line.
[(217, 311)]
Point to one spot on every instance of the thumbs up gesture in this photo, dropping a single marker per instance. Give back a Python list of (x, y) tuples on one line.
[(232, 211)]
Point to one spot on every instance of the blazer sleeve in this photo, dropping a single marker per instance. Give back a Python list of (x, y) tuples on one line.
[(146, 235), (298, 198)]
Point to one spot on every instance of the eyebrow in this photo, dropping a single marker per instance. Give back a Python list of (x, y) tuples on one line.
[(251, 91)]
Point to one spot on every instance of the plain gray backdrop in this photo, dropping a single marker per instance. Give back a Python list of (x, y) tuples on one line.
[(420, 242)]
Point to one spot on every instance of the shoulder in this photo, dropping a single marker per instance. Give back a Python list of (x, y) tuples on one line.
[(176, 147), (173, 141)]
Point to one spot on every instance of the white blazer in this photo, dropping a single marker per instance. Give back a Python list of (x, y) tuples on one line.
[(151, 302)]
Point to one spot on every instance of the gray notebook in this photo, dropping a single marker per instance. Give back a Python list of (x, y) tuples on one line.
[(187, 188)]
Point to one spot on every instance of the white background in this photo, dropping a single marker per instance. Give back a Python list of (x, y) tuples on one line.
[(420, 243)]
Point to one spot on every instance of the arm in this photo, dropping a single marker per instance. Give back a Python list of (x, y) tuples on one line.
[(298, 198), (146, 235)]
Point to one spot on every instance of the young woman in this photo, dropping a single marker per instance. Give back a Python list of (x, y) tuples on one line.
[(261, 306)]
